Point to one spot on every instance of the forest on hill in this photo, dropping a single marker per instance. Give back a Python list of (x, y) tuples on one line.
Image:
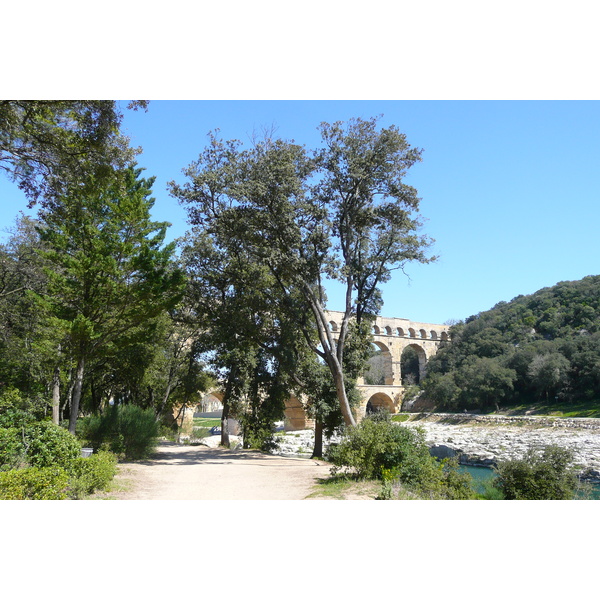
[(543, 347)]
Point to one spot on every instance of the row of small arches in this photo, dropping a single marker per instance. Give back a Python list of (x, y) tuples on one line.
[(398, 331)]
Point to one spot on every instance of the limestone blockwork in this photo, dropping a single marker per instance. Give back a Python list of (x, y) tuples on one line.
[(391, 336)]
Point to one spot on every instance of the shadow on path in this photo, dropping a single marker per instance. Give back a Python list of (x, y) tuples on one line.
[(170, 453)]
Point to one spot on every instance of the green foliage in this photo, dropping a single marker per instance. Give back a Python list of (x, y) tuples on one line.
[(291, 219), (26, 442), (128, 430), (34, 483), (446, 482), (51, 445), (45, 143), (490, 491), (12, 449), (542, 347), (379, 449), (16, 418), (80, 477), (409, 366), (545, 474), (10, 398), (109, 276), (92, 473), (376, 444), (13, 400)]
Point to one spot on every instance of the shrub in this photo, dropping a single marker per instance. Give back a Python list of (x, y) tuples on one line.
[(379, 449), (376, 444), (11, 399), (443, 481), (128, 430), (95, 430), (93, 473), (16, 418), (51, 445), (138, 431), (544, 474), (12, 449), (34, 483)]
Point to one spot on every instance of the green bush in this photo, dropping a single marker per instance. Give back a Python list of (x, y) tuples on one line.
[(51, 445), (138, 429), (544, 474), (126, 430), (12, 449), (34, 483), (93, 473), (443, 481), (379, 449), (16, 418), (11, 399), (96, 431), (376, 444)]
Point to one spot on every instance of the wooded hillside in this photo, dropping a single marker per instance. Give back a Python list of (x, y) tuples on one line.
[(540, 347)]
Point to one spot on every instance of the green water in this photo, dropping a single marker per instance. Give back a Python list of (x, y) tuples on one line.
[(482, 474)]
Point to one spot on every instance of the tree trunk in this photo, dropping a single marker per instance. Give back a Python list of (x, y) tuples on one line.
[(164, 401), (340, 388), (224, 425), (180, 427), (318, 448), (56, 396), (332, 351), (76, 394)]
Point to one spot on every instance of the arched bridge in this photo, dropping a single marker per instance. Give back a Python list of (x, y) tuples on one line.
[(384, 385)]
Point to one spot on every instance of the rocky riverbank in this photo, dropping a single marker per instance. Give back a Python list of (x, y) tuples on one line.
[(482, 440)]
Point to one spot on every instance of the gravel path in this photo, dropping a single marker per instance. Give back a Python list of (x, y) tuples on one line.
[(203, 473)]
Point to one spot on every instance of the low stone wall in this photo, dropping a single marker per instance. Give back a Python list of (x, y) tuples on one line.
[(482, 440)]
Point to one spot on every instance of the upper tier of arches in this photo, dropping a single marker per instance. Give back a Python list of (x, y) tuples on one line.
[(386, 326)]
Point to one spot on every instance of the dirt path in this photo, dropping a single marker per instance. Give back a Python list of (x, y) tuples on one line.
[(201, 473)]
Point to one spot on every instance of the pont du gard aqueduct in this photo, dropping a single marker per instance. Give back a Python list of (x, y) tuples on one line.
[(383, 386)]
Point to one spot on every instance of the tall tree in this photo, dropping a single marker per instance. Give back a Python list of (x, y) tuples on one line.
[(46, 143), (341, 212), (25, 346), (111, 271), (242, 338)]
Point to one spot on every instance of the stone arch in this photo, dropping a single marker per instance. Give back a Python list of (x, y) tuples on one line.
[(418, 370), (380, 401), (412, 333), (388, 330), (444, 336), (423, 334), (380, 369), (400, 331), (434, 335), (211, 402), (333, 326), (376, 330)]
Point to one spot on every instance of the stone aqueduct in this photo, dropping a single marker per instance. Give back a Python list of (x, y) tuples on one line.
[(391, 336)]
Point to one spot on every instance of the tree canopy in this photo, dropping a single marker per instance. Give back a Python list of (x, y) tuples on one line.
[(340, 212), (540, 347), (44, 144), (110, 273)]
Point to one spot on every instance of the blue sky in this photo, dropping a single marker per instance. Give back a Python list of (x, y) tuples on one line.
[(509, 189)]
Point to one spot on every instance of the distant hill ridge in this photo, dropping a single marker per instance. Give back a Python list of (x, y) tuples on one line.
[(563, 309), (543, 346)]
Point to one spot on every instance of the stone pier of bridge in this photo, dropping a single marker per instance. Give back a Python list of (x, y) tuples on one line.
[(391, 336)]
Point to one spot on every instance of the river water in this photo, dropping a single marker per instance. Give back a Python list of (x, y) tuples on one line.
[(481, 475)]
